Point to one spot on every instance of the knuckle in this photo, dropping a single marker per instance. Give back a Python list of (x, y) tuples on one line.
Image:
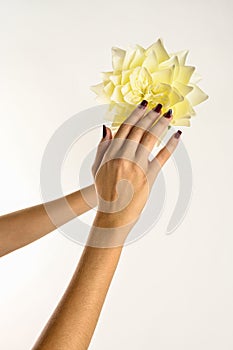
[(149, 136), (136, 131), (124, 128)]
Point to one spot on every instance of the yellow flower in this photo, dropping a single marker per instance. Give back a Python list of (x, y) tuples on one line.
[(154, 75)]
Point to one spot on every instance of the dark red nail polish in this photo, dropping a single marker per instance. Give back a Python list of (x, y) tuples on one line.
[(168, 114), (143, 104), (158, 108), (104, 131), (178, 133)]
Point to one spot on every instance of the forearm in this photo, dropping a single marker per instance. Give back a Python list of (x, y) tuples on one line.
[(22, 227), (74, 321)]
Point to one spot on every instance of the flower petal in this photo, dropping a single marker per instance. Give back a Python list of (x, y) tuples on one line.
[(108, 89), (117, 95), (118, 56), (185, 73), (154, 75), (169, 63), (182, 56), (138, 57), (132, 98), (125, 76), (195, 78), (163, 76), (140, 79), (101, 97), (129, 56), (98, 88), (134, 80), (160, 51), (145, 77), (125, 88), (115, 79), (196, 96), (181, 122), (182, 88), (175, 97), (106, 75), (151, 62), (183, 109)]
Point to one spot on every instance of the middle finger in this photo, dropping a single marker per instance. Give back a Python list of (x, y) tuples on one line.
[(137, 132)]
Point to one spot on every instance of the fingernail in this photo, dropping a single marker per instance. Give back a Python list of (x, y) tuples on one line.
[(177, 134), (168, 114), (104, 131), (158, 108), (143, 104)]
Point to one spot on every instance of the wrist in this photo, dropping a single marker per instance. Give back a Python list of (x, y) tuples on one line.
[(109, 230), (117, 220)]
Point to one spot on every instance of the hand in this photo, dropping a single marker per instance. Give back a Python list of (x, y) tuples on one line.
[(122, 171)]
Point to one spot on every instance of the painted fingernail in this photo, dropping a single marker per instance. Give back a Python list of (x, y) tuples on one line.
[(143, 104), (177, 134), (104, 131), (168, 114), (158, 108)]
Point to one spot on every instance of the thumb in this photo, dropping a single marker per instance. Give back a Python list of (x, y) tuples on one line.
[(107, 133), (102, 148)]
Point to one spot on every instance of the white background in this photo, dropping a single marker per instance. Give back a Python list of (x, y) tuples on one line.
[(169, 292)]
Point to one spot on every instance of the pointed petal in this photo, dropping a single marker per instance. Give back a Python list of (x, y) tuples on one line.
[(106, 75), (163, 76), (172, 63), (98, 88), (182, 88), (125, 76), (183, 109), (181, 122), (150, 62), (181, 55), (175, 97), (101, 95), (117, 95), (197, 95), (169, 63), (108, 89), (195, 78), (115, 79), (138, 57), (118, 56), (145, 77), (185, 73), (128, 58), (134, 79), (160, 51)]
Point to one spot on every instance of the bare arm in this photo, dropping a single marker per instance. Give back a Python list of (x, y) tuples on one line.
[(22, 227), (74, 320)]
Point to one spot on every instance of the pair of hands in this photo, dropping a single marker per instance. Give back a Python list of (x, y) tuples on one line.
[(122, 171)]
